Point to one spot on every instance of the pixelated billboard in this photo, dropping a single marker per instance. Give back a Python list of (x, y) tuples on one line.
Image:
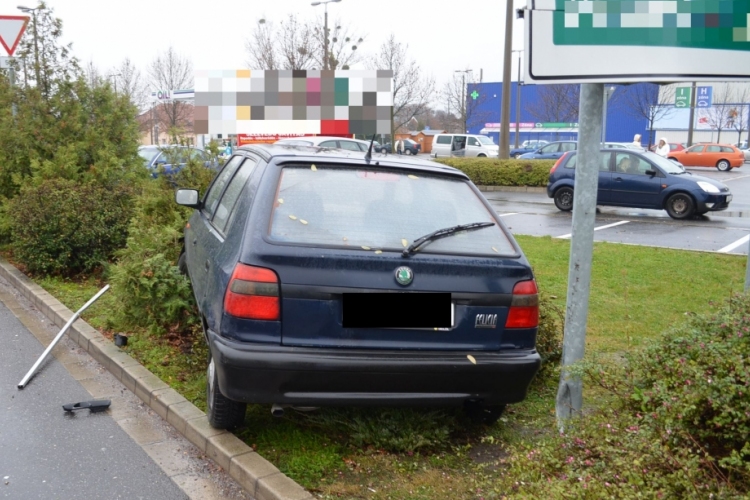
[(293, 102)]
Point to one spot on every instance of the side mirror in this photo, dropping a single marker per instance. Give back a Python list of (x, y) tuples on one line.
[(187, 198), (160, 161), (651, 172)]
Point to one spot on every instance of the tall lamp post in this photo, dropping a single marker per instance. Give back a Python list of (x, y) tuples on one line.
[(463, 95), (325, 29), (27, 10), (518, 96)]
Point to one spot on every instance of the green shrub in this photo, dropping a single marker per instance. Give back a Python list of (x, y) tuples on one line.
[(62, 227), (695, 380), (496, 172), (146, 281), (149, 288), (550, 335)]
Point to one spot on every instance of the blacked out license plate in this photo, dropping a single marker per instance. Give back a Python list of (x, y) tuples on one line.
[(398, 310)]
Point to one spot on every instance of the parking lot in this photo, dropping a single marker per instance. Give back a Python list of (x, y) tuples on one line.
[(725, 232)]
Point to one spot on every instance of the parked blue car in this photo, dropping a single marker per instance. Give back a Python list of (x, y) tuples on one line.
[(628, 178), (326, 277), (553, 150), (526, 147), (155, 157)]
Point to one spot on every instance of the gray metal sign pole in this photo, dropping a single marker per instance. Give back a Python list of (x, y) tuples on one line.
[(570, 391), (747, 269)]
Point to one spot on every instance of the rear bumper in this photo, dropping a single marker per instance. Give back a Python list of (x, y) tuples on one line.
[(257, 373)]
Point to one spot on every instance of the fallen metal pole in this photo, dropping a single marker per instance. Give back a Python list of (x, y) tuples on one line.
[(49, 348)]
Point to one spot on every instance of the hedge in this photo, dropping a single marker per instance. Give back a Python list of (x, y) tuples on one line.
[(496, 172)]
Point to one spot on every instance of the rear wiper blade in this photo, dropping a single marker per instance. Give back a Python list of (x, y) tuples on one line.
[(441, 233)]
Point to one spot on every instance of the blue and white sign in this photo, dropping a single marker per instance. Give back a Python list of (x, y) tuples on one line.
[(703, 96)]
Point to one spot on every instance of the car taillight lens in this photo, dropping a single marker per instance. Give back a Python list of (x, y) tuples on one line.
[(559, 160), (524, 307), (253, 293)]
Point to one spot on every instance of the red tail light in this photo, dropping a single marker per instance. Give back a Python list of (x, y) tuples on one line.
[(559, 160), (524, 307), (253, 293)]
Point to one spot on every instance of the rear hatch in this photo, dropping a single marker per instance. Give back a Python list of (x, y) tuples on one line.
[(338, 231)]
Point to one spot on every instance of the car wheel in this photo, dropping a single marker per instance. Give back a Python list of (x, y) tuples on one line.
[(482, 156), (564, 199), (408, 152), (723, 166), (222, 413), (680, 206), (182, 264), (518, 156), (483, 414)]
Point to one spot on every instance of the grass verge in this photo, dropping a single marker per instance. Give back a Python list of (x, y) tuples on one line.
[(383, 453)]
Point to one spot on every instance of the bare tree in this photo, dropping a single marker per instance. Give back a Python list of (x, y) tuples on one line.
[(412, 90), (556, 103), (171, 71), (298, 44), (467, 108), (650, 102), (719, 116), (128, 81), (92, 75), (740, 114), (343, 45)]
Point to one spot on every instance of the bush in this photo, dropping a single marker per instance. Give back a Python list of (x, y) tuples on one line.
[(550, 335), (146, 281), (495, 172), (60, 227), (695, 380)]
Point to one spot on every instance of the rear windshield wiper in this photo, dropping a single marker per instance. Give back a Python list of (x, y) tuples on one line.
[(441, 233)]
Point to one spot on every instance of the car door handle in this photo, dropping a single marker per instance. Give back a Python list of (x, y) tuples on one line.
[(195, 241), (207, 265)]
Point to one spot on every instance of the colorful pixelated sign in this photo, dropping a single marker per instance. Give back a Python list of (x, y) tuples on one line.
[(637, 40), (293, 102), (243, 139)]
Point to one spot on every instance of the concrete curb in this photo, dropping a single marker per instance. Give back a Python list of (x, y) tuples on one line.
[(513, 189), (254, 473)]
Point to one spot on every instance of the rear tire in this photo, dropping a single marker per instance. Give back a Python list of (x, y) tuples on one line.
[(408, 152), (564, 199), (518, 156), (483, 414), (222, 413), (680, 206), (723, 166), (182, 264)]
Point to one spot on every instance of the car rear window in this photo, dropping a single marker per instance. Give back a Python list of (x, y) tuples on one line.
[(727, 149), (380, 210)]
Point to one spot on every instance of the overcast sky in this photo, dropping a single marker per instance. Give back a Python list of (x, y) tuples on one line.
[(442, 36)]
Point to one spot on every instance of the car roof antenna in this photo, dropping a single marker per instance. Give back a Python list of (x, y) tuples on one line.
[(368, 156)]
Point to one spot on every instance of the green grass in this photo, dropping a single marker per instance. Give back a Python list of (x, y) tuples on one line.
[(381, 453)]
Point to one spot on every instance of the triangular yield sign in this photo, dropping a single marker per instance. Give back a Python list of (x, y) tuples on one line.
[(11, 29)]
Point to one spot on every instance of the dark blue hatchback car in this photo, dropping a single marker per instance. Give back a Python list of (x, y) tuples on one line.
[(629, 178), (327, 277)]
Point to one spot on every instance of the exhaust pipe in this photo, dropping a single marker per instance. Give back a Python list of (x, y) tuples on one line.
[(277, 410)]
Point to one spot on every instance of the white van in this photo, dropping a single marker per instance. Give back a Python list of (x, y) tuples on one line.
[(471, 145)]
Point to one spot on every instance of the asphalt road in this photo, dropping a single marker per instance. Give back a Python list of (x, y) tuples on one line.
[(128, 452), (725, 232)]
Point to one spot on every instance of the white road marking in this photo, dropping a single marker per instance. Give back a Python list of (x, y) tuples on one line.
[(597, 228), (509, 213), (732, 246), (735, 178)]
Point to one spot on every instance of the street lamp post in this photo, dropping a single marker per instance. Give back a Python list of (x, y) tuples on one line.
[(325, 29), (518, 97), (26, 10), (463, 95)]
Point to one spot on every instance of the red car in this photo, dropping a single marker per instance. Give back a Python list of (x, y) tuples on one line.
[(724, 157)]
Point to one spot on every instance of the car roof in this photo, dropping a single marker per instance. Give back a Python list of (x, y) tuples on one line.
[(317, 139), (283, 152)]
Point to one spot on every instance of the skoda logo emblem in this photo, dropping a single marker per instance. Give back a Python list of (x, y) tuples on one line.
[(404, 275)]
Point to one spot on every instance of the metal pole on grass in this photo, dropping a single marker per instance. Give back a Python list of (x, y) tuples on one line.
[(570, 391), (49, 348), (504, 149), (747, 271)]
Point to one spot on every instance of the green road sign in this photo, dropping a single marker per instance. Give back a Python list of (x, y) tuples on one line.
[(700, 24), (682, 97)]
